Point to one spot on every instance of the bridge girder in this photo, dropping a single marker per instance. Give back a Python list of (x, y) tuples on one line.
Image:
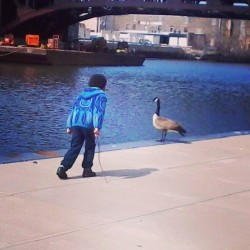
[(47, 17)]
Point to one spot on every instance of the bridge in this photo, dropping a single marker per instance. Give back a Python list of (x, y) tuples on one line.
[(47, 17)]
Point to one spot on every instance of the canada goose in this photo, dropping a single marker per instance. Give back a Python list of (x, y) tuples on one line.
[(164, 124)]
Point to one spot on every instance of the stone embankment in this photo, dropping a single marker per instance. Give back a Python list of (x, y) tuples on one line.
[(188, 53), (176, 52)]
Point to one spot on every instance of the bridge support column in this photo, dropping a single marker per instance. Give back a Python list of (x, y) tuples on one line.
[(22, 9), (17, 3), (0, 13)]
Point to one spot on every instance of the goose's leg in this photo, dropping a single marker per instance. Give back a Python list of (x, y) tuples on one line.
[(160, 140), (164, 136)]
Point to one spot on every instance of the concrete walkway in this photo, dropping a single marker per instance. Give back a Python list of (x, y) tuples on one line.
[(182, 196)]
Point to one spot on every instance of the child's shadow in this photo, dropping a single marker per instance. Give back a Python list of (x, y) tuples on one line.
[(128, 173), (125, 173)]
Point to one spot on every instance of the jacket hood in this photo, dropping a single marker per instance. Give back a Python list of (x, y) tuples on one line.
[(91, 92)]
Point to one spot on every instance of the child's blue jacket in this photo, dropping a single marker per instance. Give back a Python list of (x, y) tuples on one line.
[(89, 109)]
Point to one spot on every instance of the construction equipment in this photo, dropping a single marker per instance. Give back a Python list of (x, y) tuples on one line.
[(32, 40), (98, 44), (53, 43), (8, 40), (122, 47)]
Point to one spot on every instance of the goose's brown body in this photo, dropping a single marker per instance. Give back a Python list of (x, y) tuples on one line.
[(164, 124)]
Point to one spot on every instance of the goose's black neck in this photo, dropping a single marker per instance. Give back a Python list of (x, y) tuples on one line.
[(158, 107)]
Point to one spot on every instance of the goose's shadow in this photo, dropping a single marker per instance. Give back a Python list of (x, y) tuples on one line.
[(125, 173), (173, 141)]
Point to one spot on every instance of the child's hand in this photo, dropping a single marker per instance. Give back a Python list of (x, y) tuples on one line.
[(96, 132), (69, 131)]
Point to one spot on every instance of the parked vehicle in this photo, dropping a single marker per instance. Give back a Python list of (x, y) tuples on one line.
[(145, 42)]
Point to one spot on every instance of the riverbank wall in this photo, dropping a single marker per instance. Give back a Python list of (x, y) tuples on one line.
[(186, 53), (189, 54)]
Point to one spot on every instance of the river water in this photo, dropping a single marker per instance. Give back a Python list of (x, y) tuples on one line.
[(206, 98)]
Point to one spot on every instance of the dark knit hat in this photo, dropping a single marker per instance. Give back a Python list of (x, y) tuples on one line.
[(98, 80)]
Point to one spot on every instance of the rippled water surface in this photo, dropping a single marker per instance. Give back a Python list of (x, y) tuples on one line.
[(207, 98)]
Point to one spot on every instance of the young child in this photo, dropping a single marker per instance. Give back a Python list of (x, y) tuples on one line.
[(84, 124)]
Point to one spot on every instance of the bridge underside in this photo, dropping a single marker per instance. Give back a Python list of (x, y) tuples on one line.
[(46, 25), (54, 19)]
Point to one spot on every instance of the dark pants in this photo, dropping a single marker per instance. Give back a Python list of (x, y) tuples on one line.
[(79, 136)]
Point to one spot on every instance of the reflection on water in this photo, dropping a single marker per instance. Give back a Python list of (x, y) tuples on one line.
[(205, 97)]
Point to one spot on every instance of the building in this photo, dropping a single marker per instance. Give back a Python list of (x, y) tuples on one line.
[(225, 34)]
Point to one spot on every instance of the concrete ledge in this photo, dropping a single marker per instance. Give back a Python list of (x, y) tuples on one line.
[(178, 196), (110, 147)]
